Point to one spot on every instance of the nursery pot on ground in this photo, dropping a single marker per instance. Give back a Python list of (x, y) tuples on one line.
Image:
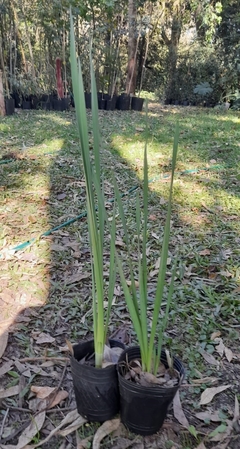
[(123, 102), (88, 100), (137, 103), (9, 106), (143, 409), (111, 103), (61, 104), (96, 389), (26, 104)]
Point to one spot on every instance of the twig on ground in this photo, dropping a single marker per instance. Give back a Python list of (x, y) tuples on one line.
[(34, 359)]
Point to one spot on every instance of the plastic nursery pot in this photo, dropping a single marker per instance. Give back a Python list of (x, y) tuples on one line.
[(101, 103), (111, 103), (26, 104), (137, 103), (123, 102), (88, 100), (96, 390), (9, 106), (61, 104), (143, 409)]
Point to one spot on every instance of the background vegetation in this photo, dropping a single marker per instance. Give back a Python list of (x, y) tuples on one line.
[(167, 47)]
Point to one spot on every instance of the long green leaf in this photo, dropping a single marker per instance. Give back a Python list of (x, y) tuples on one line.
[(164, 255), (95, 226)]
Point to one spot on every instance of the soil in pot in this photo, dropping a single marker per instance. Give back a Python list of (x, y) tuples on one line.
[(143, 409), (9, 106), (96, 390), (137, 103)]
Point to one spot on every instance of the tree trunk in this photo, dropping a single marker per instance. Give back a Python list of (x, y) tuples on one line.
[(173, 44), (15, 15), (132, 48), (28, 40), (2, 102)]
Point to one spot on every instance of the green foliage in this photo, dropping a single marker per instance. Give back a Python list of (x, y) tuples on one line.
[(203, 89), (92, 174), (138, 303)]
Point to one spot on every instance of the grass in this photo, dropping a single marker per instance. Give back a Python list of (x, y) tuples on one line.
[(43, 187)]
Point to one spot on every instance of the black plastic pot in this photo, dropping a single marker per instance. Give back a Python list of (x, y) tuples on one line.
[(137, 103), (9, 106), (88, 100), (26, 104), (111, 103), (123, 102), (46, 105), (61, 104), (143, 409), (101, 103), (35, 102), (96, 390), (17, 99)]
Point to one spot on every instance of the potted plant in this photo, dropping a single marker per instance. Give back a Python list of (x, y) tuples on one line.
[(148, 377), (96, 386)]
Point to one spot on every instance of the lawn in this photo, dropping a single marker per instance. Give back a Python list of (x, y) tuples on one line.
[(45, 289)]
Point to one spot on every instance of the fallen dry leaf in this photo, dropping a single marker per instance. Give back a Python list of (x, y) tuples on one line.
[(6, 367), (60, 396), (205, 380), (77, 278), (208, 357), (12, 391), (178, 411), (106, 428), (3, 342), (73, 426), (44, 338), (228, 354), (203, 416), (205, 252), (42, 392), (69, 418), (61, 196), (236, 410), (220, 347), (209, 393), (33, 428), (215, 335)]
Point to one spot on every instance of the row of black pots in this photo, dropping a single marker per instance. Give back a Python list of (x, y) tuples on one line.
[(46, 102), (122, 102), (101, 393)]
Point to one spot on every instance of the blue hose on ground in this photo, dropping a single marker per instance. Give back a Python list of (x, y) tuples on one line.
[(24, 245)]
